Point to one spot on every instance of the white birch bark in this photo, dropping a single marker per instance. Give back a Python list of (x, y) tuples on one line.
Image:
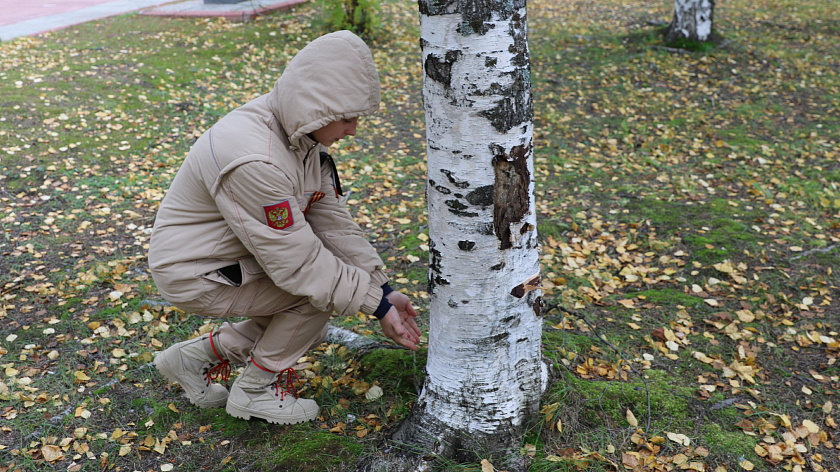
[(692, 20), (484, 371)]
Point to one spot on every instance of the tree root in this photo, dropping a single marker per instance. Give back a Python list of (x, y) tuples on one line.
[(812, 251), (356, 342)]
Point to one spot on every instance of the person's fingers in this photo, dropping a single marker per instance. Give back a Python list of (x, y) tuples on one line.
[(402, 338), (410, 309), (393, 328), (412, 327), (404, 342), (410, 335)]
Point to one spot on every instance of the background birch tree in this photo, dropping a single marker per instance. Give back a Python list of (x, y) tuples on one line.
[(692, 20), (484, 370)]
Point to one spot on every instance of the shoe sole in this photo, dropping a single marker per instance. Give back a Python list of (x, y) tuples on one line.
[(246, 414), (163, 365)]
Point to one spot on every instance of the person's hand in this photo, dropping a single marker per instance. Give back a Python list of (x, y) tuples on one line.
[(407, 313), (398, 324)]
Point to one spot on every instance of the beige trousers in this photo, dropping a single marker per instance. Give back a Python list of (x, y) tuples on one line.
[(280, 329)]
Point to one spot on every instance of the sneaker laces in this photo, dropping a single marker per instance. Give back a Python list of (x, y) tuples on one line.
[(281, 390), (218, 371)]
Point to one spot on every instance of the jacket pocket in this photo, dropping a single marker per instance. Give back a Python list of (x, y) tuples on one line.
[(251, 270)]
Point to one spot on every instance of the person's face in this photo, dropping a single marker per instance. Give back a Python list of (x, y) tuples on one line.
[(336, 130)]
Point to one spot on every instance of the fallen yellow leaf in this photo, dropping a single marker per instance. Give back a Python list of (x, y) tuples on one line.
[(52, 453), (812, 427), (679, 438), (631, 418)]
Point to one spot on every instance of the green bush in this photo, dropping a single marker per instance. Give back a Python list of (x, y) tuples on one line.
[(358, 16)]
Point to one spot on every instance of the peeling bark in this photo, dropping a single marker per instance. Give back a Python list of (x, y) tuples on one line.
[(511, 198), (693, 19), (484, 373)]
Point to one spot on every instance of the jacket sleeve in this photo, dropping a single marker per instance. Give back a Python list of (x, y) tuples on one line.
[(335, 227), (257, 201)]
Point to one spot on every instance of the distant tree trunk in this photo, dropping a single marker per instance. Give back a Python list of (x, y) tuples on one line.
[(692, 20), (485, 375)]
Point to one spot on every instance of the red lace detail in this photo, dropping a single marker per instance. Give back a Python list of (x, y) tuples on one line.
[(279, 389), (219, 371)]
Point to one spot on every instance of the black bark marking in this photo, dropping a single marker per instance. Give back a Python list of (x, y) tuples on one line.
[(458, 208), (482, 196), (495, 339), (511, 191), (439, 188), (498, 266), (435, 278), (455, 182), (515, 106), (436, 7), (440, 69), (475, 14), (466, 245), (538, 306), (485, 229), (519, 48)]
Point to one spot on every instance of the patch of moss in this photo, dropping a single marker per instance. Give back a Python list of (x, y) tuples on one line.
[(669, 400), (730, 446), (221, 421), (394, 369), (568, 464), (303, 449), (676, 217), (721, 241), (668, 297), (644, 36), (572, 342), (692, 45), (552, 228), (828, 258), (160, 413)]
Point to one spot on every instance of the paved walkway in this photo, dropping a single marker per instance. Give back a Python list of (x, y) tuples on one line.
[(30, 17)]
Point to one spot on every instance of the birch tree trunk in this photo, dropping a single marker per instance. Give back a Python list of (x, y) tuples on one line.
[(692, 20), (484, 371)]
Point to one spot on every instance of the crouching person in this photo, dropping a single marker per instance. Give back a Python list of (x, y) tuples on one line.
[(254, 225)]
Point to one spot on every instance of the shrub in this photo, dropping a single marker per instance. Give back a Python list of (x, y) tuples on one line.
[(358, 16)]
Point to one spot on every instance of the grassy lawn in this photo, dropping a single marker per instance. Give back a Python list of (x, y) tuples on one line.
[(689, 210)]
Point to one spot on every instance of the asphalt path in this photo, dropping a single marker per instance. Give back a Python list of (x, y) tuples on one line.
[(32, 17)]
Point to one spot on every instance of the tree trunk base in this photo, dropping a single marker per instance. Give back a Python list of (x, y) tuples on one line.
[(422, 443)]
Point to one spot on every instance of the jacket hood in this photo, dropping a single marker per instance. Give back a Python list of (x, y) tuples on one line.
[(331, 79)]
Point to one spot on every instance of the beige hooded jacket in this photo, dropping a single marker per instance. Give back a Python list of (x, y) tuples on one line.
[(252, 191)]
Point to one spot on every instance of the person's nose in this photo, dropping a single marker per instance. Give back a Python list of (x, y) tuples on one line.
[(350, 130)]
